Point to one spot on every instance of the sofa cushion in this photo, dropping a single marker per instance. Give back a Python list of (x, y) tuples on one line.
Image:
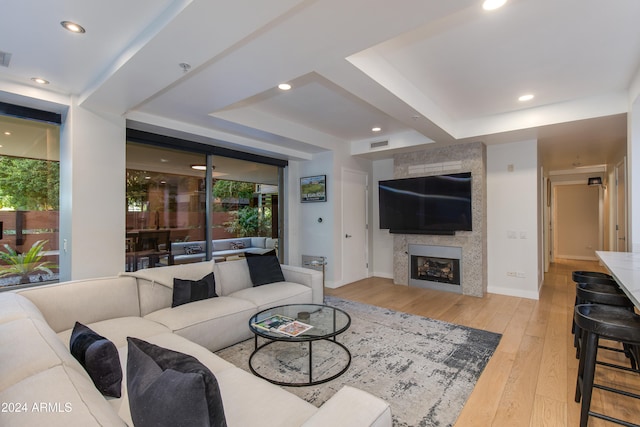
[(232, 276), (38, 348), (99, 357), (15, 306), (173, 342), (233, 243), (353, 407), (264, 269), (258, 242), (117, 330), (62, 397), (186, 291), (270, 243), (221, 245), (155, 285), (213, 323), (169, 388), (279, 293), (251, 401), (85, 301)]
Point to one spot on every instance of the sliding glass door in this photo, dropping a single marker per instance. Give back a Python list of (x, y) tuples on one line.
[(181, 211)]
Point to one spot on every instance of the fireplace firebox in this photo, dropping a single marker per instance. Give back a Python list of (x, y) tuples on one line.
[(435, 267)]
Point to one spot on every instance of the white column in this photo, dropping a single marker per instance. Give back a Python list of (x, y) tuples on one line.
[(92, 194)]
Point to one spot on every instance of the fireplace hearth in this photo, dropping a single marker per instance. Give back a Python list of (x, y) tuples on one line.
[(435, 267)]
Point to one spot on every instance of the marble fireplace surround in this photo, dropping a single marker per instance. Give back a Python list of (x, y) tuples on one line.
[(469, 157)]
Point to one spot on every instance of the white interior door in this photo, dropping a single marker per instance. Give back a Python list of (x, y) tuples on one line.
[(354, 226), (621, 208)]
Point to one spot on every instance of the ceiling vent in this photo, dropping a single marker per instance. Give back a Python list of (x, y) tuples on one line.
[(5, 57), (379, 144)]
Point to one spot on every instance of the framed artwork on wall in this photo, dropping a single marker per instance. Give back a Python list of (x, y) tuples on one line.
[(313, 188)]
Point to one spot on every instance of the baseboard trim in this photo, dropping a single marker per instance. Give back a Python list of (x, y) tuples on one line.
[(577, 258), (383, 275), (513, 292)]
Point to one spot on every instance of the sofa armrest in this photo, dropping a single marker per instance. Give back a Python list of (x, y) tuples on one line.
[(307, 277), (354, 408)]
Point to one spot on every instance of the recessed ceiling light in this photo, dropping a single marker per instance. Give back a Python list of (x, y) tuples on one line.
[(7, 133), (73, 27), (40, 80), (376, 129), (493, 4), (527, 97), (164, 161), (199, 167), (284, 86)]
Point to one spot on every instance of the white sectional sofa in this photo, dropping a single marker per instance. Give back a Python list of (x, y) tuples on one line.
[(41, 383)]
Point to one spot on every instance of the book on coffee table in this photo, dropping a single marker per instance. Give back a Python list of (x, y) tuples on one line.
[(283, 324), (294, 328)]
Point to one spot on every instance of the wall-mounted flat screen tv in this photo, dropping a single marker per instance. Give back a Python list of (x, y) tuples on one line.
[(439, 204)]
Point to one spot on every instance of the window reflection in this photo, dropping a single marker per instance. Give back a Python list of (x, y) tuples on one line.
[(167, 192)]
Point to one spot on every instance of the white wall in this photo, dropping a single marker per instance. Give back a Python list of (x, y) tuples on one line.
[(308, 236), (512, 219), (382, 240), (92, 195)]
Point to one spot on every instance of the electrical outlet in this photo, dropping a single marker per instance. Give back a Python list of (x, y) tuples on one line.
[(520, 274), (511, 274)]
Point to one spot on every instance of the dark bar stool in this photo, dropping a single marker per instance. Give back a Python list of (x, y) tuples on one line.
[(593, 277), (607, 322), (594, 293)]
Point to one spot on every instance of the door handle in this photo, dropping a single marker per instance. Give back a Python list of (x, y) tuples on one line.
[(347, 236)]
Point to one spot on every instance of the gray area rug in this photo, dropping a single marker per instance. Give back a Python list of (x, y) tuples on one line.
[(424, 368)]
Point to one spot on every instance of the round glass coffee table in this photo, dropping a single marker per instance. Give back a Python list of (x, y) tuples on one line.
[(326, 323)]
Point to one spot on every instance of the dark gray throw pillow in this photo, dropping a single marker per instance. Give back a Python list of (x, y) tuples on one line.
[(264, 268), (169, 388), (99, 357), (185, 291)]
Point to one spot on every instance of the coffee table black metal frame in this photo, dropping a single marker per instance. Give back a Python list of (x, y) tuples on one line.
[(314, 334)]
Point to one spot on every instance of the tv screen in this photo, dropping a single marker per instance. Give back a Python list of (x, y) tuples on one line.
[(439, 204)]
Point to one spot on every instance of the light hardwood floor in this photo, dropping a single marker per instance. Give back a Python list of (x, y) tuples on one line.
[(530, 380)]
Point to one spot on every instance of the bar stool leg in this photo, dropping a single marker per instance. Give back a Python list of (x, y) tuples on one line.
[(586, 373), (578, 395)]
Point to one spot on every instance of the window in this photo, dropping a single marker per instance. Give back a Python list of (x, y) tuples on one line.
[(29, 201), (170, 212), (245, 199)]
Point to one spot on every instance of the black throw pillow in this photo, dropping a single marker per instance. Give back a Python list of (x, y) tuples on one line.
[(99, 357), (168, 388), (185, 291), (264, 269)]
